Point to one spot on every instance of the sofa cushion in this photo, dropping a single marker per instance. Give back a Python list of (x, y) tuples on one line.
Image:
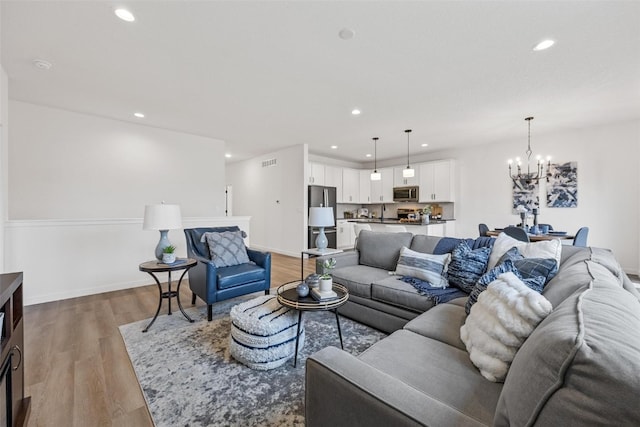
[(545, 249), (423, 243), (381, 250), (226, 248), (505, 315), (467, 266), (392, 290), (438, 370), (441, 323), (358, 278), (580, 366), (240, 274), (428, 267)]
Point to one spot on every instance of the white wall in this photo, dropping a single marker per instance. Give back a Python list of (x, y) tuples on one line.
[(77, 187), (275, 197), (67, 259), (66, 165), (608, 186), (4, 163)]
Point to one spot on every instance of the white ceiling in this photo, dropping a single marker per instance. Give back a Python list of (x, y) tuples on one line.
[(267, 75)]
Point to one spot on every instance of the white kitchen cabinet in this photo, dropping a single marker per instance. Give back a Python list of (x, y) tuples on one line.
[(382, 191), (316, 174), (365, 186), (400, 181), (437, 181), (450, 229), (346, 236), (333, 178), (350, 185)]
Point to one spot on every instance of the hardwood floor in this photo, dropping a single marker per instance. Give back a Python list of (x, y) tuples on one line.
[(77, 370)]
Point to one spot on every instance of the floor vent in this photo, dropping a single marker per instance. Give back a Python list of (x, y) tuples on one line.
[(270, 162)]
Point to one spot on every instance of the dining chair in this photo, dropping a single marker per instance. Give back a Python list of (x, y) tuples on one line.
[(581, 237), (396, 228), (517, 233), (483, 229), (357, 228)]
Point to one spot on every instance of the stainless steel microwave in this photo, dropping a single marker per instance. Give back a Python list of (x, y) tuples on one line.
[(405, 194)]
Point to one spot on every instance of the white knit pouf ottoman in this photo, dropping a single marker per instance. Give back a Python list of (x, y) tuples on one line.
[(263, 333)]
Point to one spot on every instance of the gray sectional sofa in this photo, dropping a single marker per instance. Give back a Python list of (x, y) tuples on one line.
[(580, 366)]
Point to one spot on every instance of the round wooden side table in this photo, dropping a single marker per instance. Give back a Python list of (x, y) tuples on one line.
[(288, 296), (153, 267)]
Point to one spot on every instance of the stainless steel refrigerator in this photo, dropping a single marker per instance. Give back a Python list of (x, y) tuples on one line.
[(320, 196)]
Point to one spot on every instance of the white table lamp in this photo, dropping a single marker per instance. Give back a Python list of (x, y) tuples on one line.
[(162, 217), (321, 218)]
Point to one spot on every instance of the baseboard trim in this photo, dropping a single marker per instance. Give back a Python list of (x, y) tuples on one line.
[(57, 296)]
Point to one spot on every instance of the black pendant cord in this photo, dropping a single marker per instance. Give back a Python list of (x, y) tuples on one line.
[(375, 154), (408, 131)]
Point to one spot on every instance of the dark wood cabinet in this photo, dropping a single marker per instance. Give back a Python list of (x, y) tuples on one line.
[(14, 406)]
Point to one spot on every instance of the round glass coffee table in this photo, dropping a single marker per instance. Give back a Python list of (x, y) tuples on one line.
[(288, 296)]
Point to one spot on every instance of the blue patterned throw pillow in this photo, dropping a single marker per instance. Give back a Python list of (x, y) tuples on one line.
[(536, 283), (531, 267), (226, 248), (467, 266), (427, 267)]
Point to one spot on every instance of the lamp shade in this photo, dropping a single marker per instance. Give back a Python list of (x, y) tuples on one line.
[(321, 217), (162, 217)]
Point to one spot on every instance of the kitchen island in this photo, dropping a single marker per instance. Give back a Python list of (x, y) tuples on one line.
[(346, 233)]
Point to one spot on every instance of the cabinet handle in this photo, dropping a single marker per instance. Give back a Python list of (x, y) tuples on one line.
[(17, 348)]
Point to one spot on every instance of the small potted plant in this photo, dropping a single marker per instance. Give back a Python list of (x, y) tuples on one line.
[(168, 254), (326, 282)]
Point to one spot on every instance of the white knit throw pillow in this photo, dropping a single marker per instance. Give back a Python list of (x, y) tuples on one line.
[(504, 316)]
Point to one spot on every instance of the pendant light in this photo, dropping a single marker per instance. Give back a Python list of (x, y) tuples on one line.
[(375, 175), (408, 172)]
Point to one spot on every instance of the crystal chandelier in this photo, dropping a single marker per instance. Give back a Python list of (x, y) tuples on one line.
[(529, 177), (375, 175)]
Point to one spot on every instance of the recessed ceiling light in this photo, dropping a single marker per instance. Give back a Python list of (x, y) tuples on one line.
[(139, 115), (346, 34), (424, 145), (125, 15), (355, 112), (368, 155), (544, 44), (42, 64), (228, 156), (334, 147)]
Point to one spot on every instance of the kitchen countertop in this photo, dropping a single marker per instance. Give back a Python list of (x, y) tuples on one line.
[(394, 221)]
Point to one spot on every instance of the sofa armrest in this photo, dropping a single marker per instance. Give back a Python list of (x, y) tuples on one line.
[(343, 259), (341, 390)]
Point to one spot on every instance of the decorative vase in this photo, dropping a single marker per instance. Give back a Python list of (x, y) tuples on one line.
[(326, 285), (312, 280), (168, 258), (425, 218), (302, 289)]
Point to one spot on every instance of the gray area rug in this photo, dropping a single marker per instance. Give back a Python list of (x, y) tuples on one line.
[(189, 379)]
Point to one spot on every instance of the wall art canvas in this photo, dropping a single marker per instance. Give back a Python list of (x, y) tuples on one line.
[(562, 188), (526, 194)]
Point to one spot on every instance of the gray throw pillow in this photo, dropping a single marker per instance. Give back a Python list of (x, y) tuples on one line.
[(467, 266), (226, 248)]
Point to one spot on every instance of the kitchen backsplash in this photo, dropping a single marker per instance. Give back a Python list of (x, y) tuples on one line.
[(391, 209)]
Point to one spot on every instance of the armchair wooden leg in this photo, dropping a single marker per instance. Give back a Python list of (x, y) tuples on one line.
[(193, 298), (210, 312), (266, 291)]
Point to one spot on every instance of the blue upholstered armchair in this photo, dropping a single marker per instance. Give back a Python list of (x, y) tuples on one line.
[(212, 283)]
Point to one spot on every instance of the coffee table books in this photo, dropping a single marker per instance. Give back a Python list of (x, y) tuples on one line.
[(323, 296)]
